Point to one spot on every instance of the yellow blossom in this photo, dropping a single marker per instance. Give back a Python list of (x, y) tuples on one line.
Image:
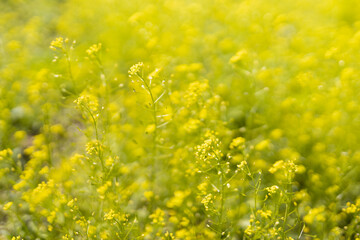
[(7, 206), (237, 143), (93, 50)]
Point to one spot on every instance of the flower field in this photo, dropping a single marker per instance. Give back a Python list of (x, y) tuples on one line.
[(160, 119)]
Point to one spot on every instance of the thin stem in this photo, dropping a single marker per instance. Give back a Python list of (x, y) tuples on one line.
[(153, 103), (257, 187), (96, 136), (132, 226), (222, 196), (221, 203), (47, 133), (104, 81), (68, 61)]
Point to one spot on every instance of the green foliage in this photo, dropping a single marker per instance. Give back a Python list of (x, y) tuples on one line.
[(179, 119)]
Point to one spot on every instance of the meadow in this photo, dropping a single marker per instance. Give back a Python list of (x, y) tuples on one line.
[(160, 119)]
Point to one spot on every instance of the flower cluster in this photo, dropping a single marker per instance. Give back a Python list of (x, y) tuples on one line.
[(93, 50), (135, 69), (93, 146), (209, 151), (58, 43)]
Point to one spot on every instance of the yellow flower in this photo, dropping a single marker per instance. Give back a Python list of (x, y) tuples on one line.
[(265, 214), (44, 170), (51, 217), (109, 161), (158, 216), (110, 215), (91, 230), (71, 202), (242, 165), (239, 56), (207, 200), (58, 43), (264, 144), (19, 135), (149, 195), (93, 50), (6, 153), (135, 69), (192, 125), (237, 143), (203, 187), (209, 150), (276, 133), (168, 236), (102, 189), (150, 128), (195, 90), (7, 206), (317, 213), (272, 190), (350, 208), (88, 102), (178, 199)]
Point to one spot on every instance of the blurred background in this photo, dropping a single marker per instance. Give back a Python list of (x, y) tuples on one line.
[(281, 73)]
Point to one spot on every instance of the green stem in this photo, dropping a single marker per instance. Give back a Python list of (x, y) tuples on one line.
[(155, 120), (68, 61), (222, 197), (288, 194), (221, 204), (97, 137), (107, 88), (48, 134)]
